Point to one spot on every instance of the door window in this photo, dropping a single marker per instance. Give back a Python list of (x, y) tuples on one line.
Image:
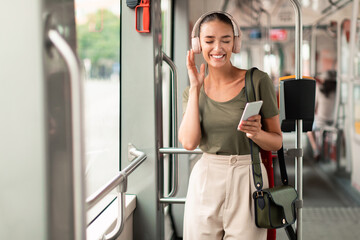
[(98, 47)]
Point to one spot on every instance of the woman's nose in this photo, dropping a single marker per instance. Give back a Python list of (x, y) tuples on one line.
[(217, 45)]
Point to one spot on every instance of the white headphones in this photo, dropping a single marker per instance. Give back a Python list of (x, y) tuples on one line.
[(195, 41)]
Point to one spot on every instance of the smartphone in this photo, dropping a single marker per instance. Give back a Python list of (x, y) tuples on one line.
[(251, 109)]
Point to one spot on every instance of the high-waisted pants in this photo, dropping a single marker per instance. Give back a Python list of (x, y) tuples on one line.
[(219, 203)]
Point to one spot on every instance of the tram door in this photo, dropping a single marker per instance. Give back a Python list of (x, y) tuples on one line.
[(116, 108), (81, 87)]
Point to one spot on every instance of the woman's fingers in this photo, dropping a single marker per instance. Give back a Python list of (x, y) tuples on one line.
[(188, 59), (202, 70), (190, 62), (251, 126), (195, 76), (192, 56)]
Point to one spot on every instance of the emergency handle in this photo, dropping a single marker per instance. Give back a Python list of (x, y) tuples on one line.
[(143, 7)]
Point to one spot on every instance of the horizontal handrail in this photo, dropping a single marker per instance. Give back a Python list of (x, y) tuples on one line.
[(119, 180), (172, 200), (180, 151)]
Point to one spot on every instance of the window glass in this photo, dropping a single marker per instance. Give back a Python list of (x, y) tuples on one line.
[(357, 50), (357, 108), (98, 47), (345, 53)]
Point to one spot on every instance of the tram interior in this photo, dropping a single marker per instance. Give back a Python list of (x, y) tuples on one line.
[(70, 150)]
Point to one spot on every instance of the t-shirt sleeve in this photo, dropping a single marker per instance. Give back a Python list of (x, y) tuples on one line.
[(185, 99), (268, 95)]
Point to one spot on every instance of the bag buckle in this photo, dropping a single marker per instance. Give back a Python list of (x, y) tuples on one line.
[(259, 194)]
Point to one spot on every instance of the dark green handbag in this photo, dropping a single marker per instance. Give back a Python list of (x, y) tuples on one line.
[(274, 207)]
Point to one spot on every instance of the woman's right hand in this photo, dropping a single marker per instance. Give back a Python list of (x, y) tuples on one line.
[(196, 78)]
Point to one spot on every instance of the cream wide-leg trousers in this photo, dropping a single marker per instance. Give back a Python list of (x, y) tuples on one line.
[(219, 203)]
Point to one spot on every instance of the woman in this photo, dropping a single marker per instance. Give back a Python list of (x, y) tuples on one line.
[(219, 203), (324, 108)]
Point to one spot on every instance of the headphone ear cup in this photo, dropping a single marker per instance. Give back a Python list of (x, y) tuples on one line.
[(195, 44), (237, 45)]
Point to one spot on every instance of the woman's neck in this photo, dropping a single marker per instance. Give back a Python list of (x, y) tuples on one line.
[(222, 76)]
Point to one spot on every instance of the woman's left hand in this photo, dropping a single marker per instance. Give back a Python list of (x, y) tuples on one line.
[(252, 126)]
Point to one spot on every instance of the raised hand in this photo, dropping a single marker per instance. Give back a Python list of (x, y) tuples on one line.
[(196, 78)]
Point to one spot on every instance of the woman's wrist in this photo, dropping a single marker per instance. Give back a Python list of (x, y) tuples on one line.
[(194, 88), (266, 140), (256, 137)]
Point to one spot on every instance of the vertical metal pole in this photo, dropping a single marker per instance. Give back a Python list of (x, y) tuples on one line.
[(267, 32), (338, 77), (299, 122), (157, 36), (175, 141), (338, 98), (77, 132)]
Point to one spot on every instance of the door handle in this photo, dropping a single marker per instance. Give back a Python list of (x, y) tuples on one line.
[(175, 141), (72, 63)]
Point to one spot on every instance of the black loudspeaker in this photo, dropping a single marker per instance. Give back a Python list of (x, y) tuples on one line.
[(297, 101)]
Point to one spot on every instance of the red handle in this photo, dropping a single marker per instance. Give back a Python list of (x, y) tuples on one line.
[(145, 5), (146, 19)]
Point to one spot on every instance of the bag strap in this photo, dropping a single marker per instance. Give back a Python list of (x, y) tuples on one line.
[(254, 148), (290, 232), (283, 172)]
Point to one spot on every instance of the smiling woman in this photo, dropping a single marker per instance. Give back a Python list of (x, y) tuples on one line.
[(212, 106)]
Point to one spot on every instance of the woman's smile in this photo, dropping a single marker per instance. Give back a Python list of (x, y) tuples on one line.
[(218, 56)]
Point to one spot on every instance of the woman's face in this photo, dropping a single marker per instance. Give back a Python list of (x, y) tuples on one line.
[(217, 40)]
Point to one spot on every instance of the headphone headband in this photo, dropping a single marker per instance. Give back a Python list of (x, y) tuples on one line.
[(196, 29)]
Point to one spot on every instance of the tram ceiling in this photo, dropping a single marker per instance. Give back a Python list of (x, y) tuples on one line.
[(250, 12)]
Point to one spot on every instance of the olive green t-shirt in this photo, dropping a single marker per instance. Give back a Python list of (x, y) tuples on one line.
[(219, 120)]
